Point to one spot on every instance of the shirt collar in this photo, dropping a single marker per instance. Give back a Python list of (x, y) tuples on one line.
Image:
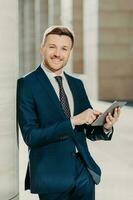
[(49, 73)]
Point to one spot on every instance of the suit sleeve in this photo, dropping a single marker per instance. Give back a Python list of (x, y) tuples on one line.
[(33, 134), (97, 132)]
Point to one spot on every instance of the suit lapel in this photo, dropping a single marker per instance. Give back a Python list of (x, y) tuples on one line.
[(46, 84)]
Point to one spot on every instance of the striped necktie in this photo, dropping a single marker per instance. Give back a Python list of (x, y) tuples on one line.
[(63, 97)]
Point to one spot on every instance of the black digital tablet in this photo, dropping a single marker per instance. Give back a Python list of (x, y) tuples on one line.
[(101, 119)]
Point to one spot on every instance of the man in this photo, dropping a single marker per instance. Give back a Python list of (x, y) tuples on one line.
[(55, 118)]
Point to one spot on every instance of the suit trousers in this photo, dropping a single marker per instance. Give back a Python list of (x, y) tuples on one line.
[(84, 187)]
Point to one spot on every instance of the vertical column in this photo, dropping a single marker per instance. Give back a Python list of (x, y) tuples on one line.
[(66, 20), (91, 46), (116, 49), (41, 23), (78, 29), (8, 75), (54, 12), (21, 37), (29, 35), (50, 12), (57, 12), (33, 20)]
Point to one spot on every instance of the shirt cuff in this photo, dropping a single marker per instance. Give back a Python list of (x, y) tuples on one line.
[(107, 132)]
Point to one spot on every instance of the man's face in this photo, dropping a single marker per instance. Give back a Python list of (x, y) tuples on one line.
[(56, 51)]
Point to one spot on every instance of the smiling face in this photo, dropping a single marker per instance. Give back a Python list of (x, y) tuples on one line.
[(56, 51)]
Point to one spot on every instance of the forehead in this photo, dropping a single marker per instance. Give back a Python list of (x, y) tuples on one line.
[(62, 40)]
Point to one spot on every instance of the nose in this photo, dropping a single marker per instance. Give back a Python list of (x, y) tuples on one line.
[(57, 52)]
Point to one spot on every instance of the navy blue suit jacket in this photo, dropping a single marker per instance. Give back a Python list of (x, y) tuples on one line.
[(50, 136)]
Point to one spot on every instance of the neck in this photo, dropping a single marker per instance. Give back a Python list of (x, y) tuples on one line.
[(57, 72)]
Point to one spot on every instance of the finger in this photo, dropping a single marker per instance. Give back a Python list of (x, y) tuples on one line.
[(93, 117), (118, 111), (110, 117), (116, 114), (95, 112), (108, 123)]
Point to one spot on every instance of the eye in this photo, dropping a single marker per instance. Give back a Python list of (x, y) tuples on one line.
[(65, 49), (51, 47)]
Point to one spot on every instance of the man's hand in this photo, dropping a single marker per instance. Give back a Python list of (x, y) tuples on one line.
[(86, 117), (112, 119)]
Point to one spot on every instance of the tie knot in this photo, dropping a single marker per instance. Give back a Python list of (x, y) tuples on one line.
[(59, 80)]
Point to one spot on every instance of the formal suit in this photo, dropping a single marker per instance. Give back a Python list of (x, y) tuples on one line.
[(49, 135)]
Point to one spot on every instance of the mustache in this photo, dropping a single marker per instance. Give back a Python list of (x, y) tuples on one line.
[(57, 57)]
